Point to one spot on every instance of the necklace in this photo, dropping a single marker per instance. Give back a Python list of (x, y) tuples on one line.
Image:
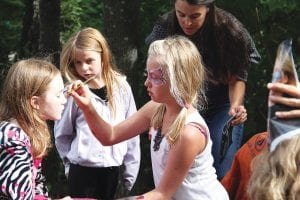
[(157, 140)]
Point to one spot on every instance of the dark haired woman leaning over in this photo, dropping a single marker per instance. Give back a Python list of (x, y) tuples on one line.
[(228, 51)]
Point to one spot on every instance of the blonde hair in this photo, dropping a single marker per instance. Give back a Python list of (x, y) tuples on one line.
[(90, 39), (27, 78), (276, 174), (186, 74)]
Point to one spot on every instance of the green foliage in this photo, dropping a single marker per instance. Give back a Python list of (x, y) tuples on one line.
[(70, 18), (277, 21), (149, 12), (268, 21), (93, 14), (275, 5), (10, 28), (76, 14)]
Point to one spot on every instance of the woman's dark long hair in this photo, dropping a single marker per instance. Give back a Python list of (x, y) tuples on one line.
[(220, 41)]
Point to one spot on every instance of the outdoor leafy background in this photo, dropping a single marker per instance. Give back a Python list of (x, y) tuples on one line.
[(268, 21)]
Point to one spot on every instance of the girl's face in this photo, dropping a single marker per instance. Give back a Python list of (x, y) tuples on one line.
[(190, 17), (88, 63), (51, 104), (157, 82)]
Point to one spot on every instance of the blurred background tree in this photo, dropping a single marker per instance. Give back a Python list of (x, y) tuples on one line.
[(39, 27)]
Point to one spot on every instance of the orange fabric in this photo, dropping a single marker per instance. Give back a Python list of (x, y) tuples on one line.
[(236, 180)]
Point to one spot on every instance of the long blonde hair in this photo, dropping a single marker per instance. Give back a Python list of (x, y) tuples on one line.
[(27, 78), (276, 174), (186, 73), (92, 40)]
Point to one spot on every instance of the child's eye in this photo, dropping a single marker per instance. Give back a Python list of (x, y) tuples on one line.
[(193, 17), (155, 76), (181, 15), (61, 94), (89, 61)]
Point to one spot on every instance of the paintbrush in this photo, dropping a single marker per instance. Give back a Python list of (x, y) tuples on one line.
[(69, 91)]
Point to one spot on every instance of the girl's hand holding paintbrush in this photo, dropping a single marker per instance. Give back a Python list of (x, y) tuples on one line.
[(71, 87), (80, 92)]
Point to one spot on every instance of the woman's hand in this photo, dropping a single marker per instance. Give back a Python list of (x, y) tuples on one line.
[(237, 89), (239, 113), (292, 101)]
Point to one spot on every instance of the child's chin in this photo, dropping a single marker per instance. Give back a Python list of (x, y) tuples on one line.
[(54, 118)]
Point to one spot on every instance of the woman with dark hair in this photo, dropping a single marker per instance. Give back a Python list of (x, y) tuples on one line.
[(227, 50)]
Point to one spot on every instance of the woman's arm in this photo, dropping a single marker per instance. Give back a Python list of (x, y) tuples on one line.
[(180, 159), (237, 89), (136, 124)]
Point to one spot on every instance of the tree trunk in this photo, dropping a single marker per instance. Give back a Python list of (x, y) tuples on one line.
[(30, 32), (49, 44), (120, 28), (123, 34)]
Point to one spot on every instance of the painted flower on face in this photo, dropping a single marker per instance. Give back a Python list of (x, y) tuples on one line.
[(156, 76)]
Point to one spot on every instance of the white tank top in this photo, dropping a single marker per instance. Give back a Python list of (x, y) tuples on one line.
[(201, 181)]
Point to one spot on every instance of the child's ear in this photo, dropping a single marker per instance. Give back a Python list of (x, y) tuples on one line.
[(34, 102)]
